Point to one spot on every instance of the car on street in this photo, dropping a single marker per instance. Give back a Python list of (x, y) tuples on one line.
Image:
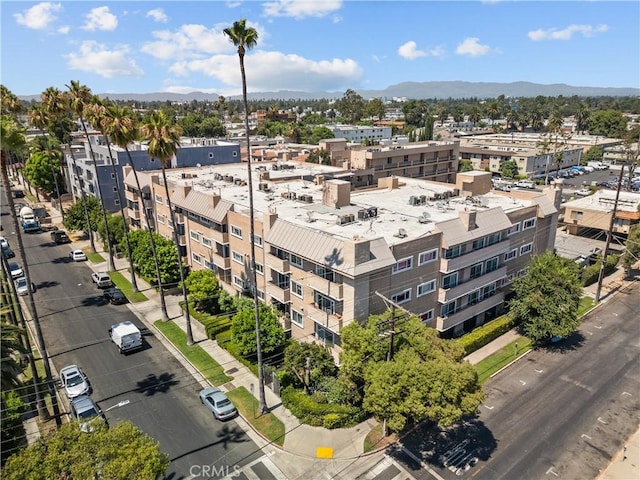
[(16, 270), (583, 192), (22, 286), (7, 252), (115, 296), (3, 242), (77, 255), (217, 402), (60, 237), (101, 279), (17, 193), (86, 413), (74, 381)]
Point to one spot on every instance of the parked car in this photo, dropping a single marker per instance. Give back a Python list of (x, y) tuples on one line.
[(7, 252), (22, 286), (17, 193), (74, 381), (215, 400), (115, 296), (3, 242), (60, 237), (16, 270), (101, 279), (87, 413), (583, 192), (77, 255)]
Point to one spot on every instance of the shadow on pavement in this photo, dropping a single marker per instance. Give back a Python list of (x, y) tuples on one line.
[(153, 384), (227, 435)]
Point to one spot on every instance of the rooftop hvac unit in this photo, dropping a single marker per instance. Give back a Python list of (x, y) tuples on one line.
[(305, 198), (362, 214), (228, 178), (413, 200), (424, 218), (423, 199), (237, 181), (373, 212), (269, 197), (402, 233), (456, 192)]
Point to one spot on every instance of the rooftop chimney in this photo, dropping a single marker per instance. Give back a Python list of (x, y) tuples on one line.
[(468, 219)]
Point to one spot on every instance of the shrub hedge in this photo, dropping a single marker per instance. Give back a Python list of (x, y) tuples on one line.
[(591, 273), (213, 324), (486, 333), (325, 415)]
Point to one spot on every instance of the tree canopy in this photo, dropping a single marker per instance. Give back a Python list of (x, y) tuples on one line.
[(509, 169), (243, 331), (204, 290), (166, 251), (309, 363), (610, 123), (547, 298), (632, 247), (121, 452), (75, 220)]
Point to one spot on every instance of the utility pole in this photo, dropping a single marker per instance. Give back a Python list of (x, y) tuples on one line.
[(609, 235), (392, 332)]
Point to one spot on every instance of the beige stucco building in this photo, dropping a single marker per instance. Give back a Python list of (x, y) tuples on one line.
[(595, 211)]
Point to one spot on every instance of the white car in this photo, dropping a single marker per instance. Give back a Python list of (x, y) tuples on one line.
[(16, 270), (77, 256), (74, 381), (583, 192), (3, 242), (22, 287)]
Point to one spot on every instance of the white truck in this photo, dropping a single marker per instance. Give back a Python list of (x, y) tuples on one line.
[(126, 336), (101, 279), (598, 165)]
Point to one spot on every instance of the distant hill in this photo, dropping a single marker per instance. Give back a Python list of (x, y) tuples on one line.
[(417, 90)]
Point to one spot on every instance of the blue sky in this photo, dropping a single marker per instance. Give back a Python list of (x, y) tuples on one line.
[(318, 45)]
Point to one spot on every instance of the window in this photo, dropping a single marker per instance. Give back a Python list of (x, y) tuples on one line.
[(234, 154), (448, 309), (115, 189), (324, 303), (209, 265), (238, 282), (476, 270), (158, 199), (297, 318), (261, 295), (257, 240), (488, 291), (531, 223), (160, 219), (472, 298), (206, 242), (493, 238), (296, 289), (426, 287), (515, 228), (402, 297), (402, 265), (478, 244), (508, 279), (450, 281), (210, 154), (325, 273), (196, 258), (452, 252), (236, 232), (195, 236), (575, 215), (259, 269), (526, 249), (511, 254), (116, 201), (238, 257), (295, 260), (324, 335), (429, 256), (427, 316), (491, 264)]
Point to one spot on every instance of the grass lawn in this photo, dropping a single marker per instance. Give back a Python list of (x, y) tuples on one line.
[(267, 424), (495, 362), (194, 353), (125, 285), (586, 304), (95, 257), (375, 440)]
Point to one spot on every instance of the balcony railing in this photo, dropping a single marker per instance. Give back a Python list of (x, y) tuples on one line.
[(332, 321), (446, 295), (220, 261), (325, 287), (278, 264), (465, 313), (283, 295), (473, 257)]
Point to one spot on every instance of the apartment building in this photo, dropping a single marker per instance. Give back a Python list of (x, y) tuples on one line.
[(327, 256), (595, 211), (358, 133), (436, 161)]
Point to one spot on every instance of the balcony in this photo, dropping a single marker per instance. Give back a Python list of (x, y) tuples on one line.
[(217, 236), (283, 295), (220, 261), (445, 323), (446, 295), (333, 321), (473, 257), (278, 264), (133, 213), (325, 287)]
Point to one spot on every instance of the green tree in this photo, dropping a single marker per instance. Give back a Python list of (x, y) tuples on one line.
[(212, 127), (309, 363), (40, 171), (319, 155), (465, 166), (609, 123), (122, 452), (318, 133), (116, 231), (594, 154), (375, 109), (204, 290), (547, 298), (351, 106), (190, 124), (13, 433), (75, 218), (11, 347), (631, 253), (509, 169), (243, 331)]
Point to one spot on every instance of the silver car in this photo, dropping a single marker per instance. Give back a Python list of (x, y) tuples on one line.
[(87, 413), (22, 286), (215, 400), (74, 381)]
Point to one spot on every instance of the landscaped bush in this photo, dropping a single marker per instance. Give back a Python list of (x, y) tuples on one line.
[(486, 333), (213, 324), (327, 415), (591, 273)]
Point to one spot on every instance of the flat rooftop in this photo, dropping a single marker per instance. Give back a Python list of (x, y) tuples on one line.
[(603, 201)]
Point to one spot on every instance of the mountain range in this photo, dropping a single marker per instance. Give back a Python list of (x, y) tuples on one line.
[(413, 90)]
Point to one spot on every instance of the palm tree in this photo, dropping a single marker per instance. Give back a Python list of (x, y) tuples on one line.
[(97, 115), (164, 140), (246, 38), (582, 117), (55, 104), (12, 138), (10, 345), (79, 100)]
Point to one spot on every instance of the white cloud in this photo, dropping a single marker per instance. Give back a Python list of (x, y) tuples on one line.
[(190, 41), (233, 4), (39, 16), (158, 15), (64, 29), (471, 46), (276, 71), (301, 8), (438, 51), (566, 33), (410, 51), (94, 57), (100, 18)]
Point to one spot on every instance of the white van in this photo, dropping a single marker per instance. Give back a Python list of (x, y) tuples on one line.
[(126, 336), (526, 184)]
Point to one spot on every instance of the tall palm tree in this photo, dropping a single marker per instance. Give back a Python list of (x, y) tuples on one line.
[(97, 115), (164, 140), (12, 138), (10, 345), (79, 100), (121, 126), (246, 38), (56, 106)]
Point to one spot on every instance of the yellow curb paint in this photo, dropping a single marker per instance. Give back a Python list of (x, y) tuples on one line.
[(324, 452)]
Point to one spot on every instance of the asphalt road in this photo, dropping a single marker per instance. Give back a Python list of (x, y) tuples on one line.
[(561, 412), (162, 394)]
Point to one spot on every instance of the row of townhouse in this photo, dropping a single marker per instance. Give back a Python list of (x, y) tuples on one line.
[(327, 256)]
